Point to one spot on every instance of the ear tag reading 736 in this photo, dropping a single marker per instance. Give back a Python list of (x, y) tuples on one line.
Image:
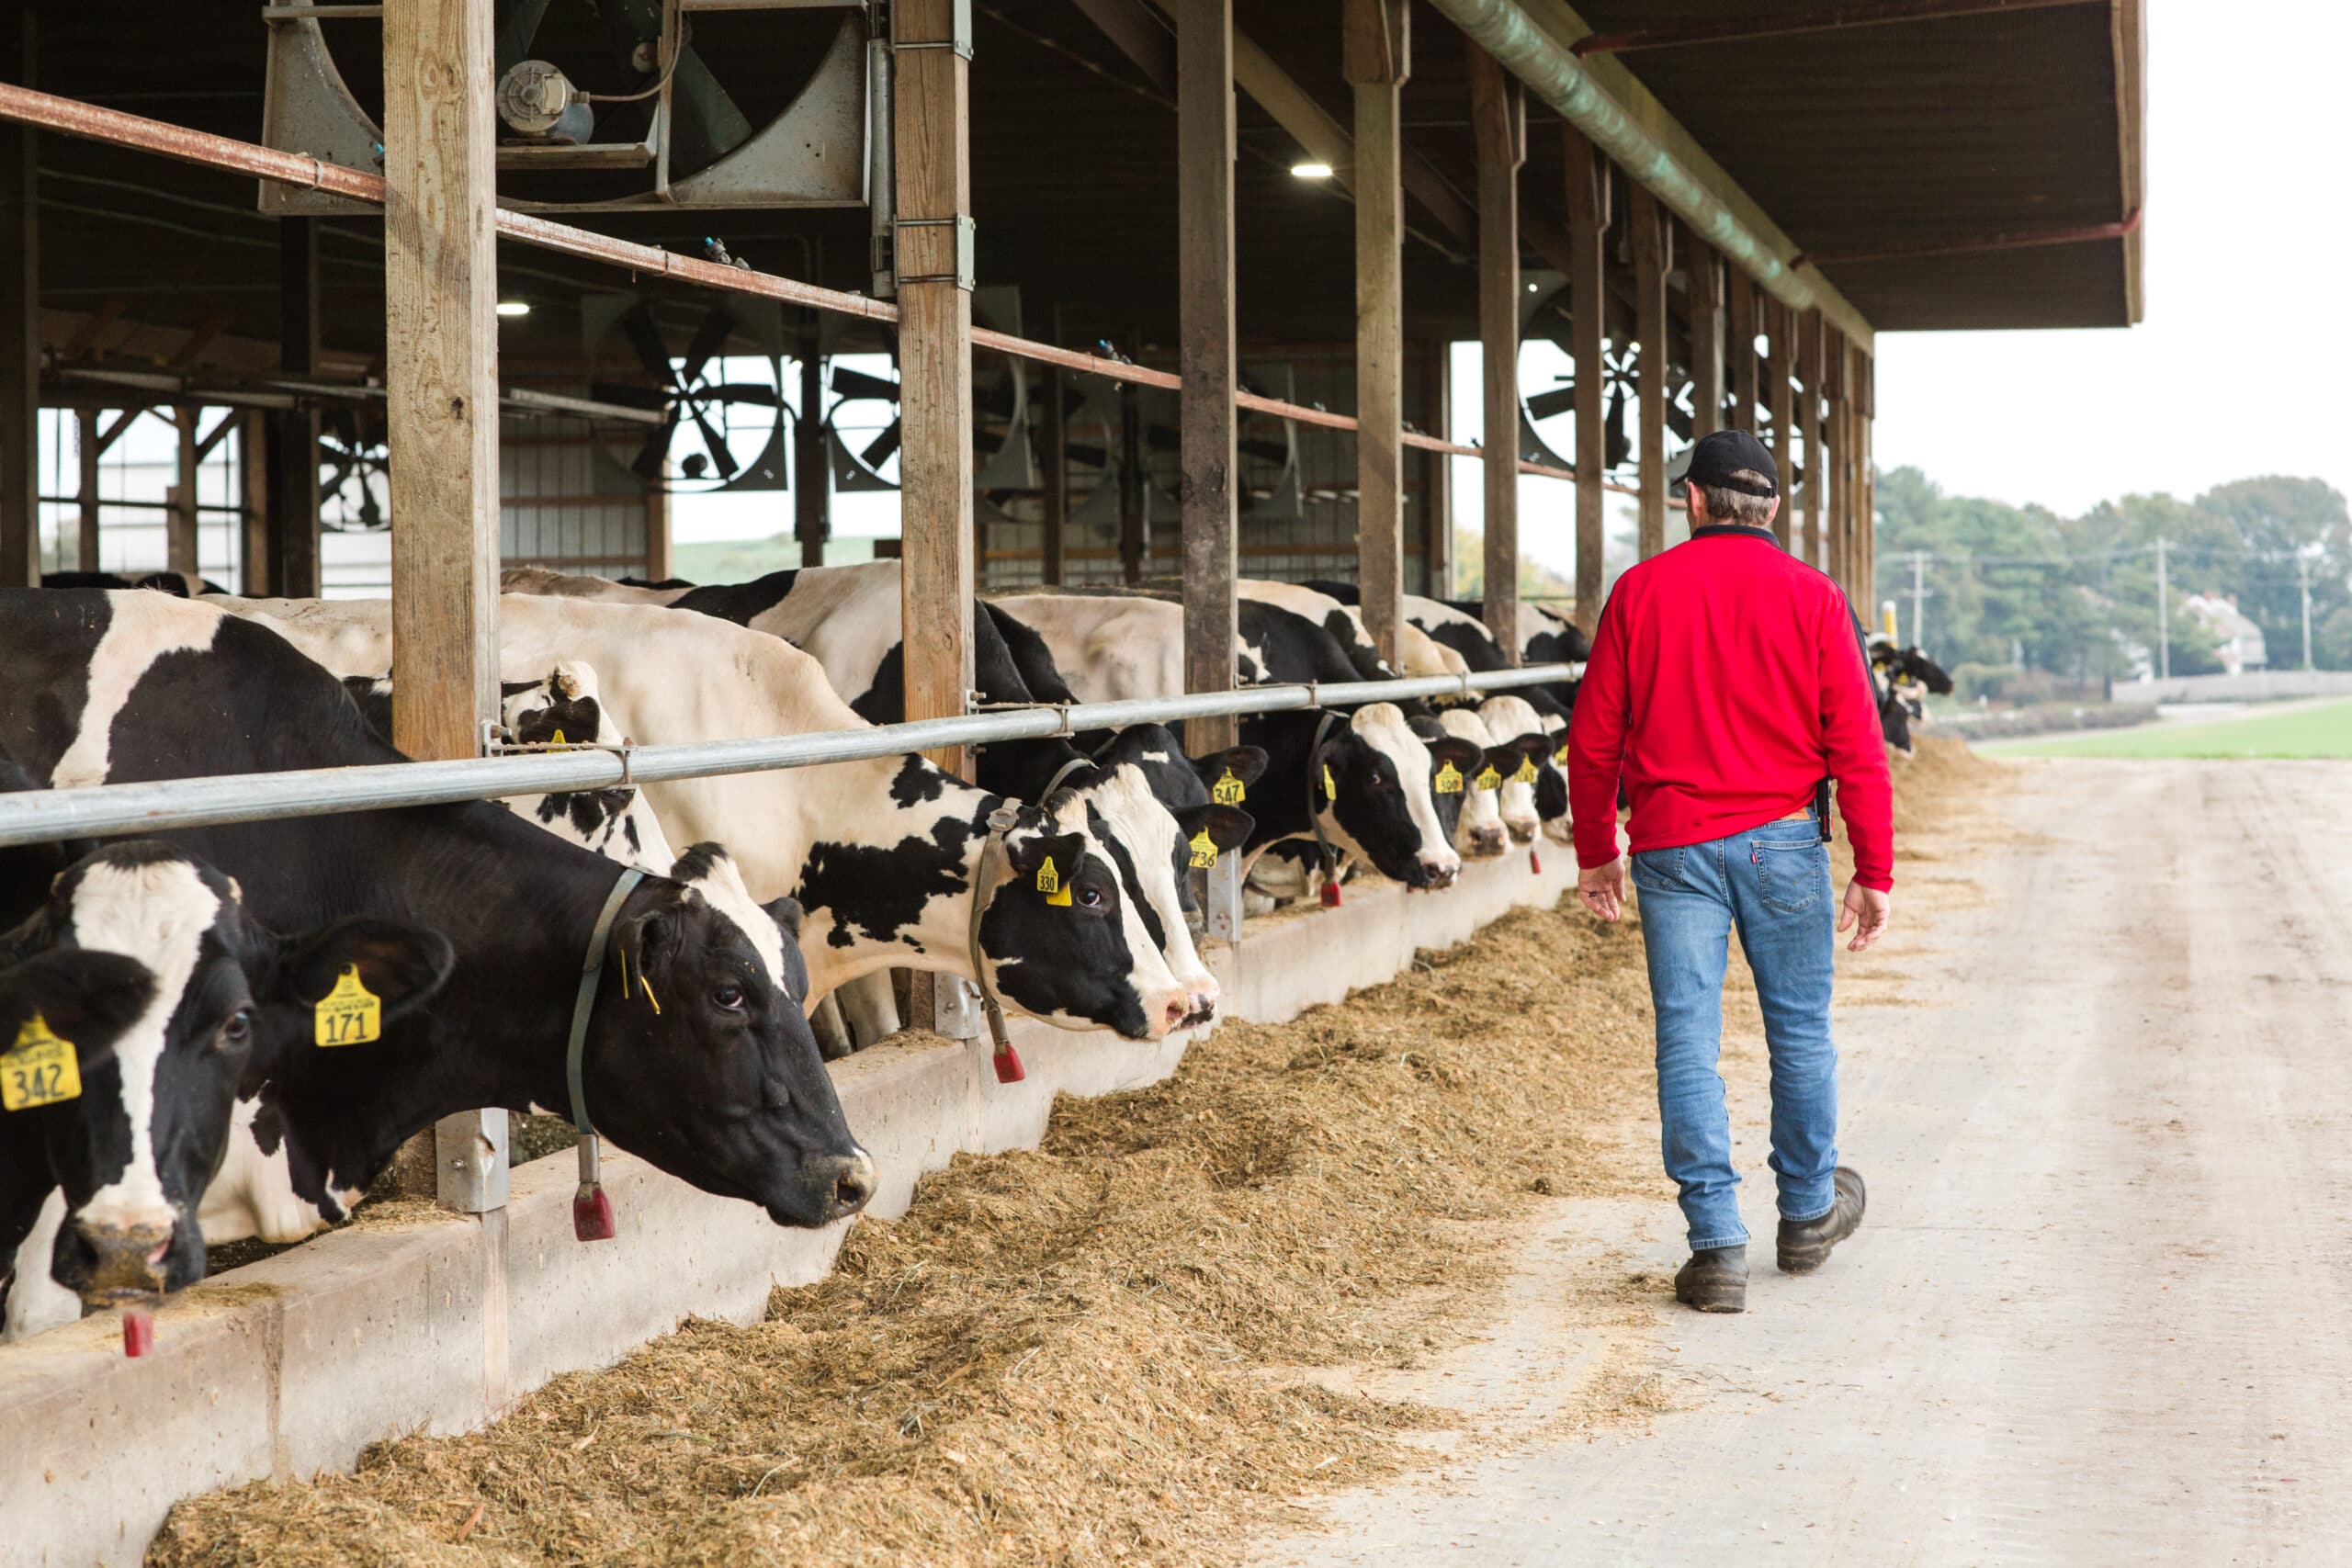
[(1203, 851), (40, 1068), (1449, 780), (1330, 790), (1049, 883), (1488, 778), (1526, 774), (351, 1014), (1227, 790)]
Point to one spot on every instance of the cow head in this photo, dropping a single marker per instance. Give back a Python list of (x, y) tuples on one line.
[(1535, 789), (1063, 937), (1370, 789), (220, 991), (699, 1058), (1475, 826)]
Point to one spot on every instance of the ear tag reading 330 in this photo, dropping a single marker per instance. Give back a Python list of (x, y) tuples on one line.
[(1526, 774), (40, 1068), (1203, 851), (1227, 790), (1488, 779), (1049, 883), (1449, 780), (351, 1014)]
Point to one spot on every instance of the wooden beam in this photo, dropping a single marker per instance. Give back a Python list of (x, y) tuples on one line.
[(218, 434), (1437, 507), (1807, 434), (1588, 206), (1703, 289), (812, 468), (441, 413), (1834, 495), (659, 555), (180, 549), (1204, 154), (198, 339), (1739, 350), (1139, 34), (1053, 545), (87, 446), (930, 109), (252, 476), (1498, 126), (116, 426), (1378, 57), (291, 458), (1653, 251), (19, 322), (1780, 324), (85, 337), (2127, 23)]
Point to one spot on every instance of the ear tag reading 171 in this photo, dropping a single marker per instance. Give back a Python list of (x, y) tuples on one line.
[(1526, 774), (1488, 779), (1049, 883), (39, 1069), (351, 1014), (1330, 790), (1227, 790), (1203, 851), (1449, 780)]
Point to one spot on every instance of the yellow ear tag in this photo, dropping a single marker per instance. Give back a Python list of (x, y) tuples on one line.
[(1203, 851), (559, 741), (39, 1069), (1488, 779), (351, 1014), (1449, 780), (1330, 790), (1526, 774), (1560, 757), (1227, 790), (1049, 883)]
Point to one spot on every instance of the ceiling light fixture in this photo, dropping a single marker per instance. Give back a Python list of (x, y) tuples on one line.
[(1311, 171), (513, 307)]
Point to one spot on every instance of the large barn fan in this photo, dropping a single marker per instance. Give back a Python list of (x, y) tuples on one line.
[(355, 471), (712, 370), (1547, 394), (613, 103), (863, 421)]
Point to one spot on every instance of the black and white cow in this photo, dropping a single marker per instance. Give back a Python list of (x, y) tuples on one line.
[(883, 853), (721, 1088), (1535, 791), (180, 585), (1457, 626), (1342, 622), (159, 1062)]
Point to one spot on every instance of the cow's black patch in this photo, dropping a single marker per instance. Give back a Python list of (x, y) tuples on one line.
[(917, 781), (877, 892)]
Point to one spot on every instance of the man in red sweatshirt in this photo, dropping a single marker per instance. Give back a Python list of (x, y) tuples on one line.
[(1727, 683)]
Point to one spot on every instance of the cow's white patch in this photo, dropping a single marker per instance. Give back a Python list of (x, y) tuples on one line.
[(723, 888), (145, 626), (158, 914), (1481, 816), (1510, 718), (38, 1303), (253, 1195), (1141, 821)]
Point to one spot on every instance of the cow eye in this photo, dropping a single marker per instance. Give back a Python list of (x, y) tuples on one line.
[(729, 998), (1090, 898), (239, 1028), (1373, 778)]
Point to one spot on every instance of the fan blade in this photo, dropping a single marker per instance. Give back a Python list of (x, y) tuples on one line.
[(758, 392), (647, 463), (852, 383), (1615, 446), (646, 338), (878, 451), (713, 443), (997, 396), (1558, 401), (708, 339), (628, 395)]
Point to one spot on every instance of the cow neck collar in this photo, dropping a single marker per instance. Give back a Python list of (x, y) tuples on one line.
[(1314, 777), (583, 1007), (995, 868)]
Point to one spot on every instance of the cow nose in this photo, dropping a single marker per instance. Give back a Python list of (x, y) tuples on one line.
[(853, 1181), (1523, 829), (1204, 1008), (124, 1258), (1441, 873), (1487, 839)]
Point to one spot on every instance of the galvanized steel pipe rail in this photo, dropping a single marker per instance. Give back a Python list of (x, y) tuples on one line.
[(99, 811)]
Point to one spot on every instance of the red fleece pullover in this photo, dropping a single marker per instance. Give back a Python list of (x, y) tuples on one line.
[(1726, 679)]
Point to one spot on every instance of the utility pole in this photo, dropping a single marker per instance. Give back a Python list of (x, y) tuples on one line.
[(1918, 598), (2164, 617), (2303, 571)]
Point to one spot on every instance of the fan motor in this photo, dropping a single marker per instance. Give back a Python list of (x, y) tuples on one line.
[(537, 99)]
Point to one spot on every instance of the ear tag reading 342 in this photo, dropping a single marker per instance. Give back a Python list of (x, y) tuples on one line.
[(351, 1014), (1203, 851), (1049, 883), (1449, 780), (1526, 774), (1488, 779), (1330, 790), (1227, 790), (40, 1068)]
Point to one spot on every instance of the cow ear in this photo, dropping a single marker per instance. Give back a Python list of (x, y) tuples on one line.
[(1029, 855), (1425, 726), (401, 963), (1464, 754), (1505, 760), (1245, 763), (1535, 744), (644, 942), (86, 997), (786, 914), (1229, 826)]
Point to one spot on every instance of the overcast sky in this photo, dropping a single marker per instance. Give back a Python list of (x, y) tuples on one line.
[(2239, 367)]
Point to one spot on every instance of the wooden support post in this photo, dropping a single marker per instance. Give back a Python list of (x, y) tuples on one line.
[(931, 115), (1378, 57), (441, 405), (1053, 544), (1204, 154), (1703, 271), (291, 459), (179, 522), (1807, 434), (1498, 123), (1833, 493), (252, 484), (1739, 350), (1133, 541), (1780, 323), (86, 444), (658, 555), (1866, 475), (812, 468), (1588, 182), (1653, 249), (1437, 511), (19, 323)]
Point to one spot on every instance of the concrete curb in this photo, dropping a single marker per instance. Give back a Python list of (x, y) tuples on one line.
[(294, 1364)]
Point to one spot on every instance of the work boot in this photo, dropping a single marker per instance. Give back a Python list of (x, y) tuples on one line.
[(1715, 1279), (1804, 1244)]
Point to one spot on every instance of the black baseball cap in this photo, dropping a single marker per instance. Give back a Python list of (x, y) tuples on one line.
[(1711, 462)]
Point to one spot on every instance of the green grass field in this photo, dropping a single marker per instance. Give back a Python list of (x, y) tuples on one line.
[(2323, 729)]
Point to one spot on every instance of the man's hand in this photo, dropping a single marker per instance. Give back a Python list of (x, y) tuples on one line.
[(1869, 908), (1602, 888)]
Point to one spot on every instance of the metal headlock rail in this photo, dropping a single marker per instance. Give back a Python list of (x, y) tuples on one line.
[(70, 116), (99, 811)]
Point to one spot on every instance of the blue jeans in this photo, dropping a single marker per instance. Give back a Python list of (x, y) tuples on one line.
[(1772, 884)]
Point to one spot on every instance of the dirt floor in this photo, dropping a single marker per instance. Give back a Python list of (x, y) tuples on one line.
[(1196, 1309)]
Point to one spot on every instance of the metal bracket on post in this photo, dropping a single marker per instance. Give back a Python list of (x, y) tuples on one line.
[(954, 1008), (962, 277), (470, 1160), (960, 40), (1221, 905)]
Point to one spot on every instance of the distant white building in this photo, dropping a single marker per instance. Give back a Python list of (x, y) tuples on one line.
[(2238, 641)]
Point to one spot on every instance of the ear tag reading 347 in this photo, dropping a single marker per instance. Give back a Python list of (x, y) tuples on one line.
[(40, 1068), (1526, 774), (1449, 780), (1227, 790), (1049, 883), (1330, 790), (1488, 779), (1203, 851), (351, 1014)]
